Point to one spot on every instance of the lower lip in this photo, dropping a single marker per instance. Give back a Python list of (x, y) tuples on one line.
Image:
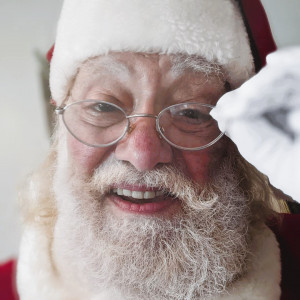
[(145, 208)]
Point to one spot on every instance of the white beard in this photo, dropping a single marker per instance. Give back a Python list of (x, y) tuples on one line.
[(192, 255)]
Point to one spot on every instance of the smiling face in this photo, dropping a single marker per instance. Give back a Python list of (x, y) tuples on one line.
[(140, 216), (145, 84)]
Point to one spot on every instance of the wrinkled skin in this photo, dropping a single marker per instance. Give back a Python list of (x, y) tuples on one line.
[(145, 84)]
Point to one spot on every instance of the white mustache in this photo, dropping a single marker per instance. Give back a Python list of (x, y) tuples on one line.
[(168, 178)]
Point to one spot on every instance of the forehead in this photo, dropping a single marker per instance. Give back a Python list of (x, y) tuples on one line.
[(129, 63), (178, 62), (148, 70)]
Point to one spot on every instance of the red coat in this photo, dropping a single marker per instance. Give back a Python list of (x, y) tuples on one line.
[(7, 281), (288, 236)]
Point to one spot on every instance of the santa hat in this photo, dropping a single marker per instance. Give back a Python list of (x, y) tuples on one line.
[(212, 29)]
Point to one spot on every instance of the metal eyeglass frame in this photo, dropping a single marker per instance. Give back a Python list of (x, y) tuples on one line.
[(61, 109)]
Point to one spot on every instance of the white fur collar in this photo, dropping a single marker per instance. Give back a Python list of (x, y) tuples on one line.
[(36, 278)]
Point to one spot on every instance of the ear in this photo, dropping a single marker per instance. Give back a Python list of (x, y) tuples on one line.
[(50, 53), (53, 102)]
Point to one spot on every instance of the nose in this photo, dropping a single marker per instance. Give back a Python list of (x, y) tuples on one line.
[(142, 146)]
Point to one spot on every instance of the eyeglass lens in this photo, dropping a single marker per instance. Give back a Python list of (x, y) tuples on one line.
[(95, 123), (189, 125)]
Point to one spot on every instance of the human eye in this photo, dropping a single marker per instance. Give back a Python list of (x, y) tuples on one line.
[(190, 118), (101, 114), (192, 115), (103, 108)]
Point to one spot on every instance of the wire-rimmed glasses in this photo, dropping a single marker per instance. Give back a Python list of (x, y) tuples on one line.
[(185, 126)]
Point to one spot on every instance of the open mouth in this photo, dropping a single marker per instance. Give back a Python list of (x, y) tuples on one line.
[(141, 197), (141, 200)]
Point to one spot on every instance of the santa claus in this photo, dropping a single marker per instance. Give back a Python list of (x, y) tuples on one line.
[(142, 195)]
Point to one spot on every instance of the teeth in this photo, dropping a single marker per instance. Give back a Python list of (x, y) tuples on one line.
[(127, 193), (138, 194), (149, 195)]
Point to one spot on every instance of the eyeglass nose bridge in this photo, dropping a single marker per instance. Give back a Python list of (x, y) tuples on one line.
[(141, 115), (159, 131)]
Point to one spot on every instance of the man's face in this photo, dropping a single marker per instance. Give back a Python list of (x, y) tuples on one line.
[(189, 236), (145, 84)]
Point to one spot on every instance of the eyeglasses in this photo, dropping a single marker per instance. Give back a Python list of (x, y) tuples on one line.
[(185, 126)]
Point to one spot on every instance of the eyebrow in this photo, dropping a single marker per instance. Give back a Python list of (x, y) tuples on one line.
[(111, 65), (194, 63)]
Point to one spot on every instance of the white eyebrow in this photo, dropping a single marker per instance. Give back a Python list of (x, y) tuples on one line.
[(110, 65), (183, 62), (116, 67)]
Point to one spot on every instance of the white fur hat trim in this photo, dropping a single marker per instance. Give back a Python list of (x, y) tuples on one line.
[(213, 29)]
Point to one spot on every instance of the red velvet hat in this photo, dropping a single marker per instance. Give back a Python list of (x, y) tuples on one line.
[(259, 31)]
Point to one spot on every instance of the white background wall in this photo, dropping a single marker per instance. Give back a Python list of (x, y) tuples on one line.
[(27, 27), (284, 18)]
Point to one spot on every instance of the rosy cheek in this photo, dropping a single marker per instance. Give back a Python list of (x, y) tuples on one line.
[(84, 157), (197, 165)]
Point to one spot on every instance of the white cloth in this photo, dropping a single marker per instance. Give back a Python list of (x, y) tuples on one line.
[(262, 117)]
